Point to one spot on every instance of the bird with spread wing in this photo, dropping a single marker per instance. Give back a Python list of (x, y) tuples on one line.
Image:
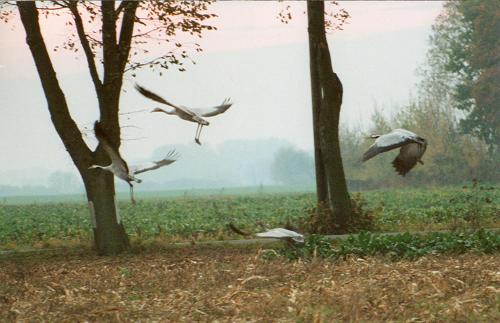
[(412, 148), (185, 113), (276, 233), (119, 166)]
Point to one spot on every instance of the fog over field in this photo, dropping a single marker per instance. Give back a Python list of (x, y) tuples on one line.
[(265, 72)]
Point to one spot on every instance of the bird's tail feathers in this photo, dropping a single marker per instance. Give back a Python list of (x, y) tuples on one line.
[(400, 166)]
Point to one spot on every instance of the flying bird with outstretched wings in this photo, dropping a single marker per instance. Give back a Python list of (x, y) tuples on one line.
[(185, 113), (119, 166), (412, 148)]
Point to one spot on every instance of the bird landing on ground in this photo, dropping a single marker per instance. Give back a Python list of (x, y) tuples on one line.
[(276, 233)]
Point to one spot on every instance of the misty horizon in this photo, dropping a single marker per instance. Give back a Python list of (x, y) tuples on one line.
[(266, 73)]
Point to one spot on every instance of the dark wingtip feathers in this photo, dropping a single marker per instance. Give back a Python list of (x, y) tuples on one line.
[(370, 153), (141, 90), (147, 93), (138, 87)]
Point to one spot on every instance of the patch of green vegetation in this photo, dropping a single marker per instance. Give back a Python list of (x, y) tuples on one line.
[(206, 217), (406, 245)]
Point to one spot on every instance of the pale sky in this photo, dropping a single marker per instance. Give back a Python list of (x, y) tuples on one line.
[(259, 62)]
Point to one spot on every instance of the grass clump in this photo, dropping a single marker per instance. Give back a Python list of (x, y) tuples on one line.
[(399, 246), (321, 219)]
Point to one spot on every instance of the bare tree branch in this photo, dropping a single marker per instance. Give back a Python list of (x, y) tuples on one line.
[(148, 32), (120, 8), (73, 6), (97, 41), (65, 126)]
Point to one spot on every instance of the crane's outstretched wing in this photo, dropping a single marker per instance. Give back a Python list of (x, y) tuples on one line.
[(171, 157), (113, 153), (155, 97), (408, 157), (396, 138), (280, 233), (213, 111)]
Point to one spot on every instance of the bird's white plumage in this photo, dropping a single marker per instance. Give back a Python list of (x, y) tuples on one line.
[(386, 142), (395, 137), (119, 166), (280, 233), (213, 111), (185, 113)]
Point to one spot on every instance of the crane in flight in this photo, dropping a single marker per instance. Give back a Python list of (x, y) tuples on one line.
[(412, 149), (185, 113), (119, 166)]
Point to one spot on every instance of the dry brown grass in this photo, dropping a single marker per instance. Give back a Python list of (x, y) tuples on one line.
[(234, 284)]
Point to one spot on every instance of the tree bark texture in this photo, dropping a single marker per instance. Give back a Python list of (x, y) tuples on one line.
[(327, 100), (109, 234), (321, 184)]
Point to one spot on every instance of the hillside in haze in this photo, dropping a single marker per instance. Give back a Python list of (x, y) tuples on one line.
[(232, 163)]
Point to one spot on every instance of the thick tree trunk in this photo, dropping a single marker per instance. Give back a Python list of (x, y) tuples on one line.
[(327, 87), (338, 194), (109, 234)]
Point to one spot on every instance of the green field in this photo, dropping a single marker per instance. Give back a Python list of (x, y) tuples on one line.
[(186, 193), (183, 216)]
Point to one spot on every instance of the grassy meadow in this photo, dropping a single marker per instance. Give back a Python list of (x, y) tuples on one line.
[(449, 276), (204, 214)]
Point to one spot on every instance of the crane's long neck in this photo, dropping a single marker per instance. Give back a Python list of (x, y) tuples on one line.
[(171, 112)]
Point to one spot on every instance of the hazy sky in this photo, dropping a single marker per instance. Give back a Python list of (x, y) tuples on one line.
[(259, 62)]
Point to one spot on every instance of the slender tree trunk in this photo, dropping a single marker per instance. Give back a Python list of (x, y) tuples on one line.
[(109, 234), (321, 183), (327, 100)]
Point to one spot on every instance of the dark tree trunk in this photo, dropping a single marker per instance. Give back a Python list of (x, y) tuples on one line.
[(329, 129), (321, 184), (327, 100), (109, 233)]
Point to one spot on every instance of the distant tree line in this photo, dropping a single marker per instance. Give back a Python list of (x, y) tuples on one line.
[(452, 157), (456, 109)]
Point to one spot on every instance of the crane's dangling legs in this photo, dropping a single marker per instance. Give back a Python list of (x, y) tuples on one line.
[(198, 133), (131, 192)]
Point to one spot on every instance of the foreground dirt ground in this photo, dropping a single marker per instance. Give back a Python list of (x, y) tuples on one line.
[(235, 284)]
